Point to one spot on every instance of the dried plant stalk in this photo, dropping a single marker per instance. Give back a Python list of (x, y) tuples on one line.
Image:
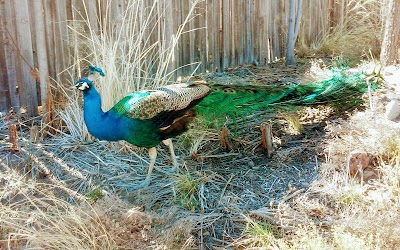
[(266, 139), (49, 117), (13, 137), (225, 142)]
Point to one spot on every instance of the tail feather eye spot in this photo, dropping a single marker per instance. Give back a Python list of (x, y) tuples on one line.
[(229, 91)]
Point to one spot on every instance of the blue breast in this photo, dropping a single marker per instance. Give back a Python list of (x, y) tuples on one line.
[(111, 126)]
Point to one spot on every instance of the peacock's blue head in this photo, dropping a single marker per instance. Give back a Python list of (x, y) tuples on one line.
[(84, 84)]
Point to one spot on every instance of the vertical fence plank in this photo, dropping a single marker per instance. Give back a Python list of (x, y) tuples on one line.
[(184, 42), (263, 37), (192, 36), (117, 11), (92, 15), (234, 31), (27, 88), (61, 39), (4, 91), (169, 36), (201, 36), (217, 19), (48, 6), (41, 52), (226, 33), (241, 26), (177, 24), (249, 34), (210, 26), (10, 52), (283, 9), (256, 31), (275, 33), (241, 13), (4, 95)]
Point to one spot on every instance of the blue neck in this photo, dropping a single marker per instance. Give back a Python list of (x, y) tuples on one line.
[(100, 124), (92, 106)]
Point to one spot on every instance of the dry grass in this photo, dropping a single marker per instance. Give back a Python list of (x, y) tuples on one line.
[(355, 33), (339, 211), (294, 124), (212, 201), (369, 209), (37, 215)]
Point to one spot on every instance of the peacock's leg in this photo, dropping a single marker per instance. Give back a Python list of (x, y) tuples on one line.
[(153, 156), (146, 182), (168, 142)]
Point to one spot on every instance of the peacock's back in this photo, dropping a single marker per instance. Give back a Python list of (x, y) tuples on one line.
[(149, 116)]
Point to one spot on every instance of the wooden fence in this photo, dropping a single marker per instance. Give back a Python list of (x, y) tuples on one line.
[(36, 42)]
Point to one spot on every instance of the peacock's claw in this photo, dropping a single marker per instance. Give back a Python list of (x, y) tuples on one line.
[(94, 69), (173, 170), (145, 184)]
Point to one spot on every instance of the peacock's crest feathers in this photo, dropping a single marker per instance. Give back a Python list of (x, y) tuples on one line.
[(148, 104)]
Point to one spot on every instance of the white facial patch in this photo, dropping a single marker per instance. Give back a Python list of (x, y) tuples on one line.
[(82, 86)]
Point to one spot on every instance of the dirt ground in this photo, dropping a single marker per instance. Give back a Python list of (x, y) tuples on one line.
[(232, 183)]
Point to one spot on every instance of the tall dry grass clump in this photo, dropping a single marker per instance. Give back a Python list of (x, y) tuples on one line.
[(43, 216), (34, 216), (354, 31), (133, 48)]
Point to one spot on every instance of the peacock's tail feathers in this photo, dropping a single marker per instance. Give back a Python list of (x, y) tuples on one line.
[(239, 100), (231, 98)]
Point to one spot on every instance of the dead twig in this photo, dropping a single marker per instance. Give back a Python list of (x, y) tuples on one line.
[(216, 156), (266, 139)]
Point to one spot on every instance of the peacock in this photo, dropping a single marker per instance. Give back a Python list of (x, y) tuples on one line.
[(149, 117), (143, 118)]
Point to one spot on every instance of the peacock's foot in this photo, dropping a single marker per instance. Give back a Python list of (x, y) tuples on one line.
[(145, 184), (174, 169)]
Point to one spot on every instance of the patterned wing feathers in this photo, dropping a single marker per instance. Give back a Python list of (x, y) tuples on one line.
[(168, 98)]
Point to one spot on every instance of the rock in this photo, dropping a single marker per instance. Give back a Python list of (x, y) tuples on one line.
[(392, 110), (360, 163), (357, 161)]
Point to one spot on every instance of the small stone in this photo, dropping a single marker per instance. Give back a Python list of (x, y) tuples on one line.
[(251, 164), (304, 184), (357, 161), (392, 110)]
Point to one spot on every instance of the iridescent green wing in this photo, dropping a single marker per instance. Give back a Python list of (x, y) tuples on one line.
[(128, 104)]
